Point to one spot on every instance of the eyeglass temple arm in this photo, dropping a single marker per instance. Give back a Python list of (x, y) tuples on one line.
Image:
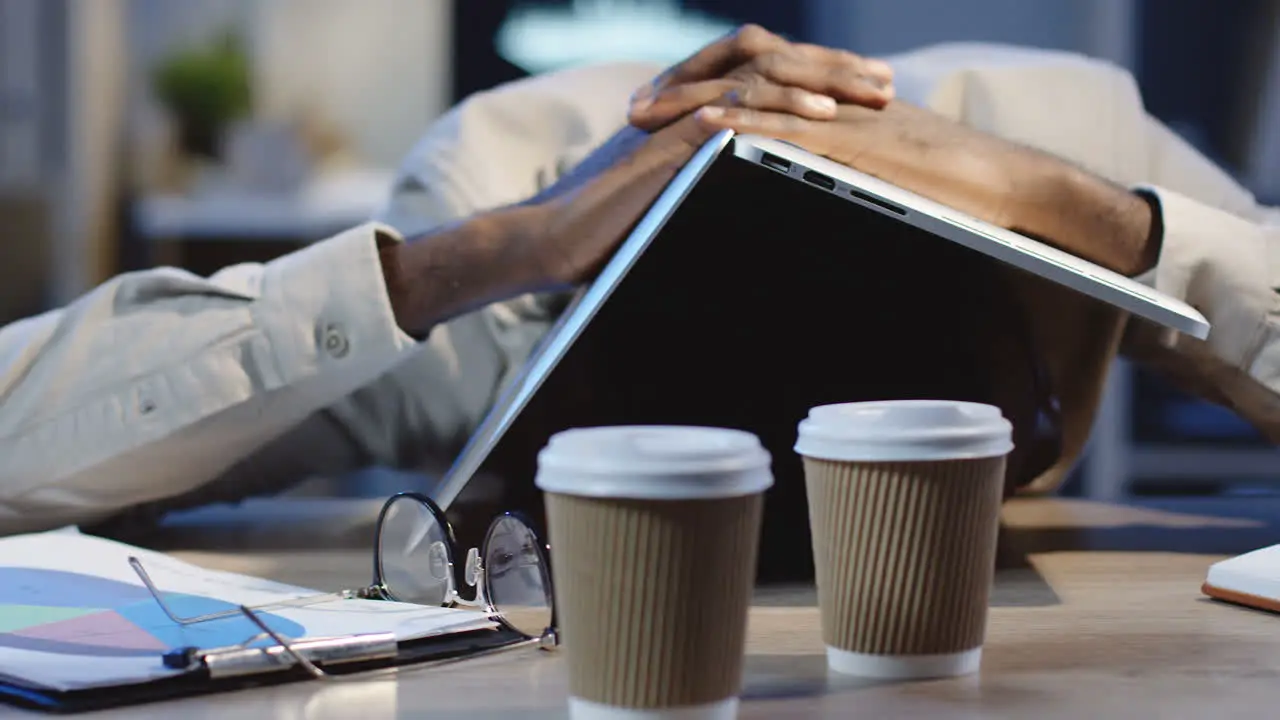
[(296, 656), (136, 564)]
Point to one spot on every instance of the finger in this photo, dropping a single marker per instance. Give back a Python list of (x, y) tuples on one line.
[(714, 60), (755, 92), (782, 126), (840, 76), (677, 101), (760, 94), (873, 68)]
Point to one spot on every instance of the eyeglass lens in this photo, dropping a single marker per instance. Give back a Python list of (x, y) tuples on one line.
[(416, 564), (517, 576), (414, 553)]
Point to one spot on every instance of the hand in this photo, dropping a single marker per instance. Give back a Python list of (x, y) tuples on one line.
[(589, 211), (755, 68), (593, 206), (560, 238), (564, 236), (1005, 184), (902, 144)]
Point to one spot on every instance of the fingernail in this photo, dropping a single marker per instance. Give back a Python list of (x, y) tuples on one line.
[(643, 95), (711, 112), (821, 103)]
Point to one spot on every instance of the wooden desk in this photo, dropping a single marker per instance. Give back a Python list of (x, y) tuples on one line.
[(1101, 632)]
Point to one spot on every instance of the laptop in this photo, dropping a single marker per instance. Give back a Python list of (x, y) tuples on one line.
[(744, 273), (1008, 247)]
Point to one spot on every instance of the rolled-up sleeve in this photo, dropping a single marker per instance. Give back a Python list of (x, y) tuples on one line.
[(1221, 264), (127, 369), (1220, 253)]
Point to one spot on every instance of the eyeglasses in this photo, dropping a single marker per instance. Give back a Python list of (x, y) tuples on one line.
[(415, 561)]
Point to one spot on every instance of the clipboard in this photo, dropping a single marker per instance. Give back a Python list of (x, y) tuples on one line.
[(84, 631), (199, 682)]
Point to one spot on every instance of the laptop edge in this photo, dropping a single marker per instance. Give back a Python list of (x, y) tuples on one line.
[(575, 318)]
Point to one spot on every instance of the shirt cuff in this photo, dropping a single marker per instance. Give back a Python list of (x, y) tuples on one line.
[(326, 308), (1217, 263)]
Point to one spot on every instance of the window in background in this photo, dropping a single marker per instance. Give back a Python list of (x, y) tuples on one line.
[(24, 221), (1191, 60), (20, 137), (1259, 130), (33, 67), (541, 38)]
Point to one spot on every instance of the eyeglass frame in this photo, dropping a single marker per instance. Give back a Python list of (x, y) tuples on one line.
[(473, 569), (378, 590)]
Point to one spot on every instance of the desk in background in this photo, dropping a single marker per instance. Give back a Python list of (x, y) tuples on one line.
[(222, 225)]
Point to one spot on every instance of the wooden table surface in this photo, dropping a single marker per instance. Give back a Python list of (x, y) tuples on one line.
[(1090, 618)]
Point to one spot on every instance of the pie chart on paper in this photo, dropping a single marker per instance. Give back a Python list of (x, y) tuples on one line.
[(52, 611)]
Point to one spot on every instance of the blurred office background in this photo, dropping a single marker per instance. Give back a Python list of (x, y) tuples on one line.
[(109, 112)]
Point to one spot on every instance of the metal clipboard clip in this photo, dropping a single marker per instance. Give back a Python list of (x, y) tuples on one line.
[(245, 659)]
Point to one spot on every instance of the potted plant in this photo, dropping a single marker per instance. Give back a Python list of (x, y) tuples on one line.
[(205, 89)]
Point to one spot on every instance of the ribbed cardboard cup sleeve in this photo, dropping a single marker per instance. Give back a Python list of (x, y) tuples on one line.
[(904, 552), (652, 596)]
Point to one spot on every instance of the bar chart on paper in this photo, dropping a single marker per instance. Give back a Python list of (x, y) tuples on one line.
[(61, 612)]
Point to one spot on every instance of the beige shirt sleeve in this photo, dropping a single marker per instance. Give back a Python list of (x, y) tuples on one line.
[(156, 381), (1221, 250), (497, 147), (159, 382), (506, 145)]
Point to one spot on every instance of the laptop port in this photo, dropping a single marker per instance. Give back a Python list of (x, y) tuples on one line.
[(817, 178), (877, 201), (775, 162)]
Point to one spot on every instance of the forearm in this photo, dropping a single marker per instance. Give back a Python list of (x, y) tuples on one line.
[(1083, 214), (463, 266), (1002, 182)]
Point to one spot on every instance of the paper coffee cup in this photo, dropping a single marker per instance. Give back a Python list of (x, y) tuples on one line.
[(654, 535), (904, 502)]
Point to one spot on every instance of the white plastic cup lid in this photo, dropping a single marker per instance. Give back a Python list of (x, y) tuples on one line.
[(654, 463), (904, 431)]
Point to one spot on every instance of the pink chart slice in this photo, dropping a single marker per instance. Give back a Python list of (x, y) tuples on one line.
[(105, 629)]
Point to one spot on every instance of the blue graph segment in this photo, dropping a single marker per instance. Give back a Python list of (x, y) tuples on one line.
[(56, 588), (211, 633), (38, 612)]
